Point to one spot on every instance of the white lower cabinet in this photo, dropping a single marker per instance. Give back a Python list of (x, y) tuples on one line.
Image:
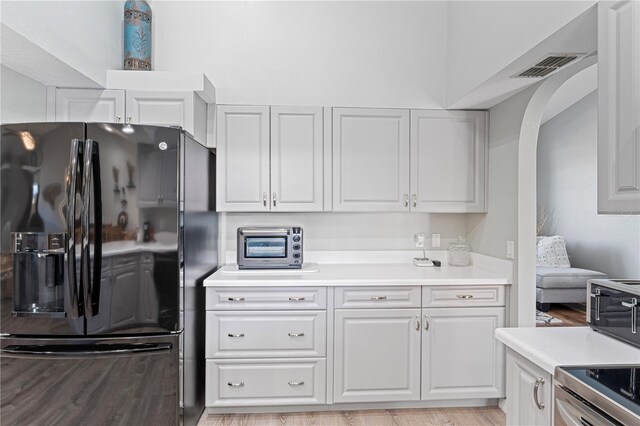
[(269, 346), (529, 392), (250, 382), (271, 334), (460, 357), (377, 355)]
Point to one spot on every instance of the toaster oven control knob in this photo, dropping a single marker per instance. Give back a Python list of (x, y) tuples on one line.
[(296, 246), (296, 238), (296, 255)]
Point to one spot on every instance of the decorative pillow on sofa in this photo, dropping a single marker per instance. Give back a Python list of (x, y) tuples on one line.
[(552, 252)]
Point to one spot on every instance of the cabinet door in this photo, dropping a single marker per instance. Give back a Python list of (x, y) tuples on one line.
[(160, 108), (90, 105), (522, 392), (242, 158), (370, 159), (124, 297), (296, 159), (460, 356), (149, 166), (619, 107), (448, 151), (169, 177), (148, 295), (377, 355)]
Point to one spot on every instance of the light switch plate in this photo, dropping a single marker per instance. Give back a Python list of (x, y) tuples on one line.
[(419, 240), (435, 240), (510, 250)]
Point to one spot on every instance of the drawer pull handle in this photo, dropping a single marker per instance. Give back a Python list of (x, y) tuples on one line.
[(378, 297), (464, 296), (300, 383), (296, 334), (296, 299), (236, 299), (426, 323), (536, 399), (235, 385), (236, 335)]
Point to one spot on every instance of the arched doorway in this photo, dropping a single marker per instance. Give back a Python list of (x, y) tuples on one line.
[(527, 153)]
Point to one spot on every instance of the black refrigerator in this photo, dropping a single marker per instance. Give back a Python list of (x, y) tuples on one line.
[(108, 231)]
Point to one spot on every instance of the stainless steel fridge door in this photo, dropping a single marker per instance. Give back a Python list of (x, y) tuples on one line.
[(41, 177), (131, 268), (117, 381)]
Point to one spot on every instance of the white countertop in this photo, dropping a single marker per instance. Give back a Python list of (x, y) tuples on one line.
[(549, 347), (356, 274)]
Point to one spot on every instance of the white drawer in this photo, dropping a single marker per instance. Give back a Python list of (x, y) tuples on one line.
[(265, 382), (377, 297), (265, 298), (454, 296), (255, 334)]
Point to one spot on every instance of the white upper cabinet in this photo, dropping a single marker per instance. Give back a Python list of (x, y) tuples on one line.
[(448, 155), (89, 105), (619, 107), (160, 108), (296, 159), (168, 108), (370, 159), (243, 158)]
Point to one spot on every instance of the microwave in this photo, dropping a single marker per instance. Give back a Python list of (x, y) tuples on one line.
[(270, 247)]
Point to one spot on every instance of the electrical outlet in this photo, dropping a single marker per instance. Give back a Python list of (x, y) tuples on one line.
[(435, 240), (510, 250), (419, 240)]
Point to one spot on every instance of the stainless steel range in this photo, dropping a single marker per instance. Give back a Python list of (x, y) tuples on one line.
[(613, 308), (604, 395)]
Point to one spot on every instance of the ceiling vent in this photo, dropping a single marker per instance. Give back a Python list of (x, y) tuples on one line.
[(548, 65)]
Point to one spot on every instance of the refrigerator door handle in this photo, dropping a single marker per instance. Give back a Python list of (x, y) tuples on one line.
[(74, 284), (91, 181), (85, 351)]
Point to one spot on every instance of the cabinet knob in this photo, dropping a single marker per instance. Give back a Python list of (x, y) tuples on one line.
[(274, 199), (406, 200), (264, 199), (118, 118), (128, 119), (415, 200)]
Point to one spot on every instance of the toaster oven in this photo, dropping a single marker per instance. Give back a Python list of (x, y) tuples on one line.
[(270, 247)]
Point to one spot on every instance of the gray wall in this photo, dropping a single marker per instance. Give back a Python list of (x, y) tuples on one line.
[(567, 185), (23, 99)]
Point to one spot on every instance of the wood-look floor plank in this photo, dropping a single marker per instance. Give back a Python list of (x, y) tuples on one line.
[(571, 314), (477, 416)]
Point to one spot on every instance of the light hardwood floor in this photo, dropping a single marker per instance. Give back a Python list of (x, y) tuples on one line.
[(571, 314), (489, 416)]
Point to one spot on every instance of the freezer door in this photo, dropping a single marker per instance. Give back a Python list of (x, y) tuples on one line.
[(130, 381), (40, 289), (130, 269)]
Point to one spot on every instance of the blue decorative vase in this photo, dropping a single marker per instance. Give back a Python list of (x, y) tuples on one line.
[(137, 35)]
